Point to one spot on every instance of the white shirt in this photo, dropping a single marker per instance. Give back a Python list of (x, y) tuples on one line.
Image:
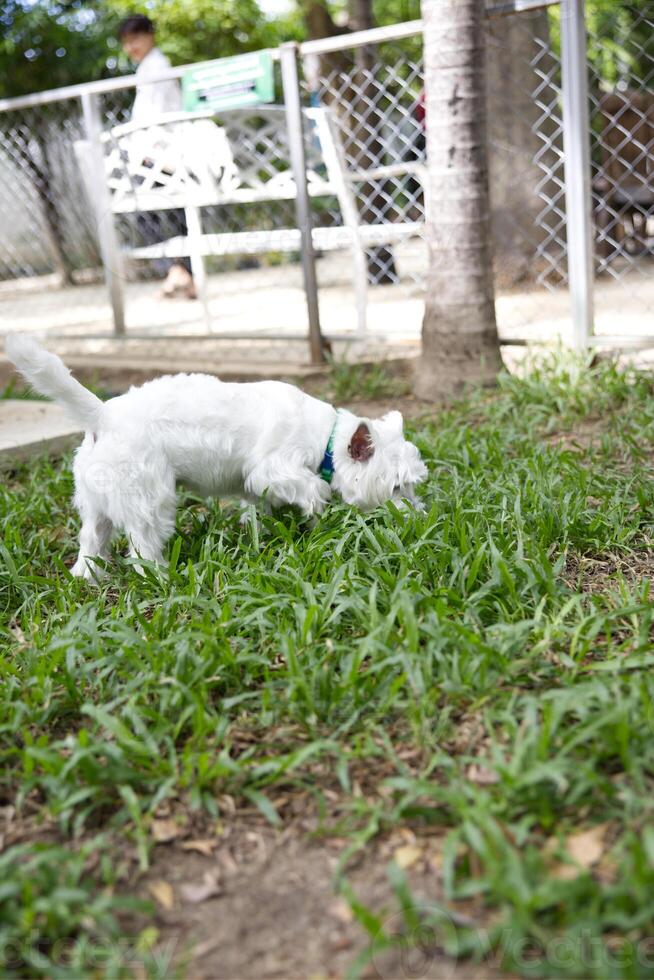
[(153, 99)]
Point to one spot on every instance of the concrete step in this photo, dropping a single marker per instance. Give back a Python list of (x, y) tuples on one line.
[(28, 428)]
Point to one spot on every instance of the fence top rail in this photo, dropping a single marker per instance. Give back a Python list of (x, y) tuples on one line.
[(396, 32), (101, 86), (355, 39), (500, 8), (358, 39), (85, 88)]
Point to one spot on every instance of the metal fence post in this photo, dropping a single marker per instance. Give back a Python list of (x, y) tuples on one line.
[(111, 257), (294, 121), (578, 192)]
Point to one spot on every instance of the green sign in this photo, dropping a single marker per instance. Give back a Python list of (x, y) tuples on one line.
[(230, 83)]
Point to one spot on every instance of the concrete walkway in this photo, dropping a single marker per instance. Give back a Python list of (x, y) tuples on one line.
[(266, 307), (30, 427)]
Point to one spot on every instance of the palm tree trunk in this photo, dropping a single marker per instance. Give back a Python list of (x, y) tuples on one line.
[(459, 333)]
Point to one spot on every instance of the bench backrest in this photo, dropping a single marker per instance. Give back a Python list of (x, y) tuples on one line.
[(197, 159)]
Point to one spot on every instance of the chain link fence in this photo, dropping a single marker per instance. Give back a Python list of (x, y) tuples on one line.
[(48, 227), (50, 269), (621, 80), (376, 95), (372, 87)]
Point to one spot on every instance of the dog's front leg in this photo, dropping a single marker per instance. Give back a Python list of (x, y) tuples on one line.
[(147, 542), (313, 494), (302, 487), (307, 491), (262, 505)]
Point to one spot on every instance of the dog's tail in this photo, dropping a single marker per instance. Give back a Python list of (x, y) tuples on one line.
[(48, 375)]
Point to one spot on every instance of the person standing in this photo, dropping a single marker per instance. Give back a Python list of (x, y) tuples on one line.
[(154, 98)]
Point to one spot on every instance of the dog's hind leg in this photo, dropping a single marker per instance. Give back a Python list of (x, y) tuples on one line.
[(91, 503), (148, 533), (94, 539)]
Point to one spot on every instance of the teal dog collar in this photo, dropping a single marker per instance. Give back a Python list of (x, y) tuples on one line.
[(327, 466)]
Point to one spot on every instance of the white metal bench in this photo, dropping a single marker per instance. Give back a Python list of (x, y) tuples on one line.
[(187, 161)]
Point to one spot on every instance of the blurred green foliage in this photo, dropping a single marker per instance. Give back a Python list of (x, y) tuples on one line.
[(61, 42), (49, 43), (620, 40)]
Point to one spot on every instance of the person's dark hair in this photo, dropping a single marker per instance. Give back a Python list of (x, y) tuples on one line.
[(136, 24)]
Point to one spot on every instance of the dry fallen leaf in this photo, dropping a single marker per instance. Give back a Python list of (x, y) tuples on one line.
[(209, 887), (7, 814), (226, 861), (407, 855), (227, 804), (481, 775), (205, 845), (563, 872), (163, 894), (587, 847), (435, 856), (203, 949), (18, 635), (165, 830), (341, 910), (607, 871), (340, 942)]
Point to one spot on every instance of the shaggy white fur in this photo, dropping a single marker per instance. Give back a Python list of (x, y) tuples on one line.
[(261, 440)]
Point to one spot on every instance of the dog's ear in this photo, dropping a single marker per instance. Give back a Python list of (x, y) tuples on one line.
[(394, 421), (361, 447)]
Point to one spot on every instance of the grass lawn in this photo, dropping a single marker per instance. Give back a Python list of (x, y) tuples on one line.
[(459, 702)]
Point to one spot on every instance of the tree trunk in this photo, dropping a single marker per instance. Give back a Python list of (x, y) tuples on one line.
[(459, 333), (39, 175), (520, 159), (54, 218), (360, 16), (318, 20)]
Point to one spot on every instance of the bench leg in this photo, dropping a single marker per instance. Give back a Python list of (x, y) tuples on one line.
[(194, 232), (361, 288)]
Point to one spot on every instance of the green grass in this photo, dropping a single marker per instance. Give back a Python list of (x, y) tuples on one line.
[(349, 382), (340, 646)]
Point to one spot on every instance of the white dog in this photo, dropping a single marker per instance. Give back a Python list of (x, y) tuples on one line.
[(262, 440)]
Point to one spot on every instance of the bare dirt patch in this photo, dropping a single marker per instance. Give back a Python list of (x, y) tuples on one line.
[(272, 910), (599, 574), (581, 437)]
